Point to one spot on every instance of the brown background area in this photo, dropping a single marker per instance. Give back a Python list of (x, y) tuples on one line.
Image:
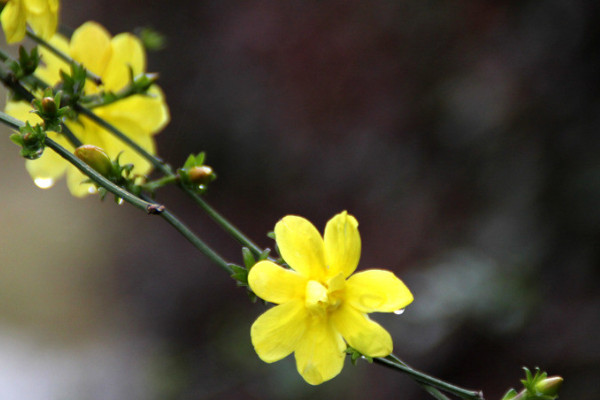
[(462, 135)]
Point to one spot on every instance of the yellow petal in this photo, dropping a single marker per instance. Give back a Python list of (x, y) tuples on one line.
[(75, 183), (90, 45), (36, 6), (50, 166), (150, 111), (361, 332), (127, 51), (14, 22), (301, 246), (114, 146), (377, 290), (275, 284), (42, 18), (320, 352), (21, 111), (342, 244), (275, 334), (51, 64)]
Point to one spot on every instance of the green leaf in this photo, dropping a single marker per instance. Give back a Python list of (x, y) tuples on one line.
[(240, 274), (249, 260), (512, 393), (264, 255)]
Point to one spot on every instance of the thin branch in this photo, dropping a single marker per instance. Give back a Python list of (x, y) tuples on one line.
[(394, 362)]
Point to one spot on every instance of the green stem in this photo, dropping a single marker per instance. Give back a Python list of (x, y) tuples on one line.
[(90, 75), (394, 362), (224, 223), (148, 206), (152, 186), (155, 161), (9, 80), (11, 122), (166, 169), (196, 241), (100, 180)]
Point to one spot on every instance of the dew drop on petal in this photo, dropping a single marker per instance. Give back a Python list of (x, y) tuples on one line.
[(400, 311), (44, 183), (91, 189)]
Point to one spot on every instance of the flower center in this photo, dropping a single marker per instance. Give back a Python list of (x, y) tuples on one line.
[(322, 298)]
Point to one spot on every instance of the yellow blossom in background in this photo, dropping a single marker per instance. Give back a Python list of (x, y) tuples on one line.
[(138, 116), (41, 15), (321, 306)]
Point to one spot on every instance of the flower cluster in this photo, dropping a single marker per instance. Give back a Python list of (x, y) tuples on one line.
[(114, 60), (321, 306), (41, 15)]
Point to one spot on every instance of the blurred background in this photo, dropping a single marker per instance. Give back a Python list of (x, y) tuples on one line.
[(462, 135)]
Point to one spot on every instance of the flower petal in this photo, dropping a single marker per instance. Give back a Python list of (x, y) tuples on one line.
[(50, 166), (42, 18), (320, 352), (14, 21), (76, 184), (127, 51), (49, 70), (149, 111), (276, 284), (301, 246), (90, 45), (342, 244), (361, 332), (377, 290), (36, 6), (275, 334), (114, 146)]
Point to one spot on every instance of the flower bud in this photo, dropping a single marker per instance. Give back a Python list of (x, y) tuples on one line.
[(49, 106), (549, 386), (95, 157), (201, 175)]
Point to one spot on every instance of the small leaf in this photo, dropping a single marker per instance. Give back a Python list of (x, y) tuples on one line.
[(249, 260), (265, 254), (240, 274)]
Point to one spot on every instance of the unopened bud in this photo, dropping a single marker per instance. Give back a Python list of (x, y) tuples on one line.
[(95, 157), (49, 106), (201, 175), (549, 386)]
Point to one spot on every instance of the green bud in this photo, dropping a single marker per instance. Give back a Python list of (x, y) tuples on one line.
[(49, 106), (549, 386), (96, 158), (201, 175)]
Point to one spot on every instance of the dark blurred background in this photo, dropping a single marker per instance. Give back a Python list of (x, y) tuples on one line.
[(462, 135)]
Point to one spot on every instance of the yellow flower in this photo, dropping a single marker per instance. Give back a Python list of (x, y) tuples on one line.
[(42, 15), (138, 116), (320, 306)]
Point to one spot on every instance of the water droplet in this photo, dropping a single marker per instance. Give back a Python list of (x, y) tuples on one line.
[(44, 183), (120, 201), (91, 189), (400, 311)]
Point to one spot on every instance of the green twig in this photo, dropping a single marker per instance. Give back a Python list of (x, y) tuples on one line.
[(90, 75), (9, 80), (196, 241), (151, 208), (148, 206), (167, 170), (394, 362)]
